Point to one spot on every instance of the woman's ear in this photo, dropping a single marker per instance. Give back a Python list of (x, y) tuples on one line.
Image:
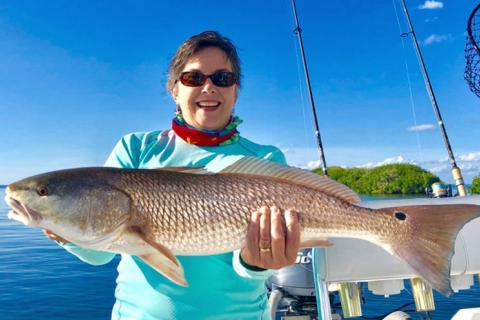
[(174, 92), (236, 94)]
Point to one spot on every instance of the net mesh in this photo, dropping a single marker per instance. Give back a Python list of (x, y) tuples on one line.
[(472, 52)]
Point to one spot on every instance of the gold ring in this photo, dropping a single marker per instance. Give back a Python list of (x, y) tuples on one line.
[(264, 249)]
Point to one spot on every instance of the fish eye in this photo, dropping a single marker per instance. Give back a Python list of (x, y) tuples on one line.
[(42, 191), (400, 215)]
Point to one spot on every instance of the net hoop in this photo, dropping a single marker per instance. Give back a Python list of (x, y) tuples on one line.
[(472, 51)]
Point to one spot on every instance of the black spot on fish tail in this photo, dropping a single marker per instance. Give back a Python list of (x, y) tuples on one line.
[(400, 215)]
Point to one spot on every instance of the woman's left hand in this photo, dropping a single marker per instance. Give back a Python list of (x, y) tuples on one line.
[(273, 239)]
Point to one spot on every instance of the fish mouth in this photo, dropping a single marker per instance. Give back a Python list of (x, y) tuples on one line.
[(22, 213)]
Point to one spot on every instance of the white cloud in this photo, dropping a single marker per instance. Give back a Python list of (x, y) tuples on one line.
[(313, 165), (438, 168), (469, 164), (472, 156), (397, 159), (431, 5), (436, 38), (437, 162), (421, 127)]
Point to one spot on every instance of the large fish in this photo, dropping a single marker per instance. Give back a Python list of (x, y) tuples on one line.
[(157, 214)]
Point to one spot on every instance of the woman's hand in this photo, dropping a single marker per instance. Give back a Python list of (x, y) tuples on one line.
[(52, 236), (273, 239)]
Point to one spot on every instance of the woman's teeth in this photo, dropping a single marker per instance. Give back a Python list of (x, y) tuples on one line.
[(208, 104)]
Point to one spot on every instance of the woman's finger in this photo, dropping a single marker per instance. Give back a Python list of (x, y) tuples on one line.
[(265, 245), (252, 243), (292, 235), (277, 236)]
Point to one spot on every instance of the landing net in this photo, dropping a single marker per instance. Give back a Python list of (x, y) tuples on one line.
[(472, 51)]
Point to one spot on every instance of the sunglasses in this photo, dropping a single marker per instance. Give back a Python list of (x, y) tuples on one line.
[(219, 78)]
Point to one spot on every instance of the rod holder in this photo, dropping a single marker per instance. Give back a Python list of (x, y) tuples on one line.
[(350, 299), (457, 176), (423, 295)]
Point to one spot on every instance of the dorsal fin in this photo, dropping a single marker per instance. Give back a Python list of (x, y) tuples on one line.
[(262, 167), (193, 170)]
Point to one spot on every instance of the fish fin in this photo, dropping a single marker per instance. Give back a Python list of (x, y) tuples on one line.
[(162, 259), (315, 243), (164, 266), (430, 244), (266, 168)]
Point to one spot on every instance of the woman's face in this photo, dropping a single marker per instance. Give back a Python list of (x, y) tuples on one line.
[(206, 107)]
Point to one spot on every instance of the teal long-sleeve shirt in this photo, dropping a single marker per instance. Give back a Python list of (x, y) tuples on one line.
[(220, 287)]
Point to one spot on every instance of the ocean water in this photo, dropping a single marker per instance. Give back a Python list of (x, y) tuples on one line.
[(40, 280)]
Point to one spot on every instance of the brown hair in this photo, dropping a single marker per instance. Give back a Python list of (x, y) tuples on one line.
[(196, 43)]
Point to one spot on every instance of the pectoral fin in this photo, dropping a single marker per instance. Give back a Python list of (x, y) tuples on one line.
[(160, 263), (162, 259)]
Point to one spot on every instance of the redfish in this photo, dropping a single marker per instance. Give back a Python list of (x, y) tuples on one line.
[(158, 214)]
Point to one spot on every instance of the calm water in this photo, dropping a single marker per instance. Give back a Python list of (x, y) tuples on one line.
[(40, 280)]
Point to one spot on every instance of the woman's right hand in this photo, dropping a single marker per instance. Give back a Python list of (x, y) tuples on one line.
[(52, 236)]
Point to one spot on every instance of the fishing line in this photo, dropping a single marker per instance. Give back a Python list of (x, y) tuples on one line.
[(461, 239), (401, 308), (407, 71), (301, 89)]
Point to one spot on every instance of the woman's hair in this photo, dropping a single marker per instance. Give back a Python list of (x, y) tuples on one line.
[(196, 43)]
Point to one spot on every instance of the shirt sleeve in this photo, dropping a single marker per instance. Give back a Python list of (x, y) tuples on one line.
[(124, 155), (89, 256), (276, 156), (245, 272)]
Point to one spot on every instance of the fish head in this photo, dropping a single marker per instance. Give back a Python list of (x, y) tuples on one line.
[(75, 204)]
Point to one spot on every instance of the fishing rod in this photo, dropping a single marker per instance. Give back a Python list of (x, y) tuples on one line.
[(457, 174), (298, 32), (322, 295)]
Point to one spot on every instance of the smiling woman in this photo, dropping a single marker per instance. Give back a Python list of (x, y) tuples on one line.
[(204, 104), (204, 79)]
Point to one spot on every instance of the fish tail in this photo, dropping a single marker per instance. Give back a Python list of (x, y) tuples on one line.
[(430, 241)]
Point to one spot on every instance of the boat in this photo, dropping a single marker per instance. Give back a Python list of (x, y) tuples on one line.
[(305, 290), (348, 262)]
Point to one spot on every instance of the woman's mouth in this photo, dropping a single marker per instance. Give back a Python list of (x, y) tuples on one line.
[(208, 105)]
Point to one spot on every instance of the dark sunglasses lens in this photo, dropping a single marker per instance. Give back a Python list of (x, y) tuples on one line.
[(192, 79), (223, 79)]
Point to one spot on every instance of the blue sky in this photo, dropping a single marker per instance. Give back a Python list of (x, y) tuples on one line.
[(77, 75)]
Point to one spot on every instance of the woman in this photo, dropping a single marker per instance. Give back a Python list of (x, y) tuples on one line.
[(204, 79)]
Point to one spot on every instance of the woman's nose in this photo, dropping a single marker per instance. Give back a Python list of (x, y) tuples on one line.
[(209, 87)]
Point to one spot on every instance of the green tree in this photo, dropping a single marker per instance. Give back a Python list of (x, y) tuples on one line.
[(388, 179), (475, 185)]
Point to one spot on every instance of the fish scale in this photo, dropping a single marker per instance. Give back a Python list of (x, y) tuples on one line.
[(225, 204)]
